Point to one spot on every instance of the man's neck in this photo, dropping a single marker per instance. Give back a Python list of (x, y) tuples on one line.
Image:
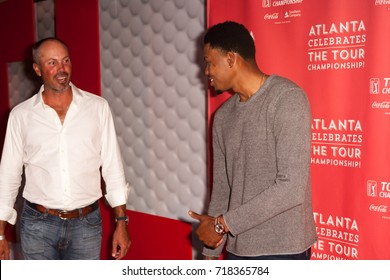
[(250, 85)]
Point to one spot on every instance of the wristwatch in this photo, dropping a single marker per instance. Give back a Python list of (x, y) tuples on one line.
[(218, 227), (122, 218)]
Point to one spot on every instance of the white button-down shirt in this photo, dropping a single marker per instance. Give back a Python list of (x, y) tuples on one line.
[(62, 161)]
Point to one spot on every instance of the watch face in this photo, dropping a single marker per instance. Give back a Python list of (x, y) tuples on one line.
[(219, 229)]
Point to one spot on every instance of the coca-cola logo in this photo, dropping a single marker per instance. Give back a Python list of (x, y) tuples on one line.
[(271, 16), (382, 2), (378, 208), (381, 105)]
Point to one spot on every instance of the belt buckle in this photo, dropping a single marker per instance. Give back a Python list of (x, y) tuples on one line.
[(61, 213)]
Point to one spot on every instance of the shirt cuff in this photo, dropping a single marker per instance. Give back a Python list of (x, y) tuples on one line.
[(118, 197), (8, 215)]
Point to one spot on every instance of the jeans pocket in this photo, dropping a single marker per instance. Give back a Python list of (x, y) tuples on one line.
[(93, 219), (29, 213), (31, 231)]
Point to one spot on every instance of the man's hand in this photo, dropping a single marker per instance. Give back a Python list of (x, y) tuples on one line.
[(4, 250), (121, 241), (208, 258), (4, 247), (205, 231)]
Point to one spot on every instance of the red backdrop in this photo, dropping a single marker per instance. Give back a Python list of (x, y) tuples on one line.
[(338, 52)]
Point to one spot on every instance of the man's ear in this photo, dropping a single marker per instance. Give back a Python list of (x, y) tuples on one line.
[(37, 69), (231, 58)]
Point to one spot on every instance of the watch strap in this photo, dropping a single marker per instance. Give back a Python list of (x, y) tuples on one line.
[(122, 218)]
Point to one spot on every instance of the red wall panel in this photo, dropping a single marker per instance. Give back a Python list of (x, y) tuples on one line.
[(17, 29), (77, 24)]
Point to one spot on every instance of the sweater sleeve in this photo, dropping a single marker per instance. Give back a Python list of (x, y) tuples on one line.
[(220, 194)]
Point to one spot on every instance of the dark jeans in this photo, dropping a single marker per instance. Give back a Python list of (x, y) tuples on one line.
[(302, 256)]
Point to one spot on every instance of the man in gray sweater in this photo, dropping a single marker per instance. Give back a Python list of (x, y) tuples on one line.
[(261, 202)]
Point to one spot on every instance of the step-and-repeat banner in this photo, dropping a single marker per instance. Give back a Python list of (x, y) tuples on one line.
[(339, 53)]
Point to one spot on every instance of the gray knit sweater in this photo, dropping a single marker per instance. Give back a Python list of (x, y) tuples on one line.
[(261, 177)]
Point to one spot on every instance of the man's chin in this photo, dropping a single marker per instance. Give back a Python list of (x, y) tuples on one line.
[(215, 91), (61, 88)]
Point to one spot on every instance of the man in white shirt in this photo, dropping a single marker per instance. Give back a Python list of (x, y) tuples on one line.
[(64, 139)]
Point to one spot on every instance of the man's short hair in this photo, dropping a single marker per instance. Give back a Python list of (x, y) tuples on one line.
[(231, 36), (37, 45)]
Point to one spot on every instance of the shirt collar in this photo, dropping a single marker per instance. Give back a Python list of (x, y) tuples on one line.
[(77, 96)]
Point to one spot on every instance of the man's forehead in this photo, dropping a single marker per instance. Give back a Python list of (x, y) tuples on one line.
[(210, 51), (53, 49)]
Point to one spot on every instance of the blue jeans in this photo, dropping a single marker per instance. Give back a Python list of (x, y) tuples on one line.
[(47, 237), (301, 256)]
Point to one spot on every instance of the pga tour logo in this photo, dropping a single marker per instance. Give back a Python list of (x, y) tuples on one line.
[(266, 3), (372, 188), (374, 85)]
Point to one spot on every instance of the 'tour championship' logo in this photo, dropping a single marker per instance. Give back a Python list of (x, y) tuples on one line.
[(381, 190)]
